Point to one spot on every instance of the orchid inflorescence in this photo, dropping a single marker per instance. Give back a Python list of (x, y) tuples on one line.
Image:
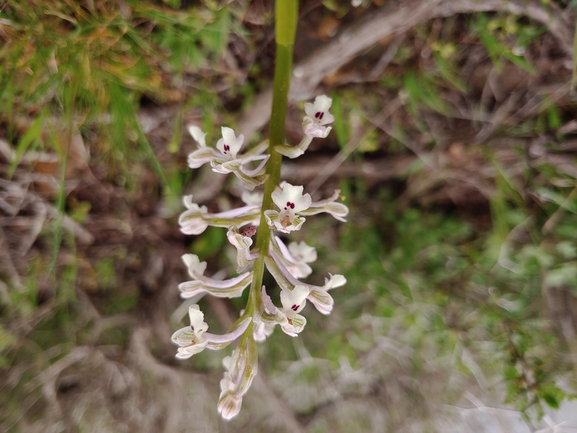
[(286, 263)]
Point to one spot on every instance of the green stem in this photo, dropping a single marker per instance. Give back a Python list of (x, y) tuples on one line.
[(574, 71), (286, 21)]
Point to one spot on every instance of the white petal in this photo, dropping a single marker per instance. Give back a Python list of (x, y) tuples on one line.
[(250, 182), (319, 296), (294, 151), (322, 301), (229, 288), (229, 144), (219, 167), (329, 205), (252, 199), (197, 134), (259, 169), (227, 362), (191, 221), (323, 103), (190, 205), (270, 307), (283, 221), (200, 157), (334, 281), (184, 336), (229, 336), (190, 289), (310, 110), (303, 252), (195, 267), (187, 352), (338, 211), (226, 384), (262, 331), (294, 325), (229, 405), (291, 198), (329, 118), (192, 224), (197, 322), (293, 301), (297, 267)]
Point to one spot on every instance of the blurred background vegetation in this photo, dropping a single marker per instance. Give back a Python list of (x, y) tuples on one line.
[(455, 145)]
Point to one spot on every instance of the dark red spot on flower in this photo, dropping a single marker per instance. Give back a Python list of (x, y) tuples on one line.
[(226, 148), (295, 307), (319, 115), (249, 231), (289, 204)]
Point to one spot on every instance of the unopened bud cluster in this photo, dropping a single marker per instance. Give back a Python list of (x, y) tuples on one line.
[(288, 264)]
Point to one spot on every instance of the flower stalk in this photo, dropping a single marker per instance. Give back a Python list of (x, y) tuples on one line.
[(281, 207), (286, 14)]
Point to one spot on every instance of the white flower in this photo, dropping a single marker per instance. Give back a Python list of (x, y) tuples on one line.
[(293, 301), (291, 201), (194, 339), (317, 116), (230, 162), (230, 288), (242, 241), (196, 219), (225, 158)]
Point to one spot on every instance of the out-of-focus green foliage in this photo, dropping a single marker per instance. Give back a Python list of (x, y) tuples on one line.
[(96, 62)]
